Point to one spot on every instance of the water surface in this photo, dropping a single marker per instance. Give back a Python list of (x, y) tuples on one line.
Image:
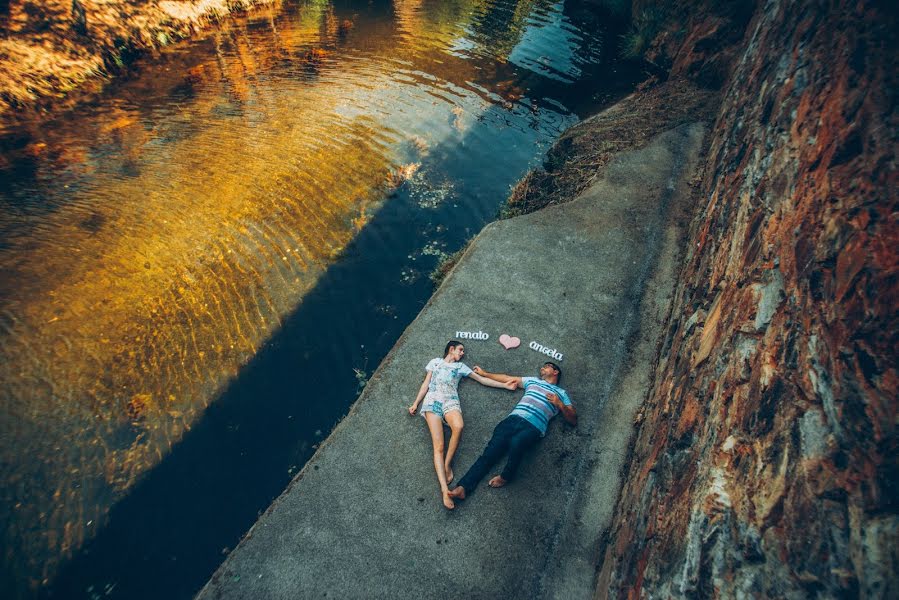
[(200, 269)]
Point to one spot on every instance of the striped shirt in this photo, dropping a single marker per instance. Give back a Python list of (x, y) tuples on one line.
[(535, 407)]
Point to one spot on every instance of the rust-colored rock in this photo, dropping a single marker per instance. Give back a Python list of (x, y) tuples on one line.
[(765, 459)]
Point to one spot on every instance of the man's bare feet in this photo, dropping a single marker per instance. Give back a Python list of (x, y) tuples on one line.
[(497, 482), (457, 492), (449, 474), (447, 501)]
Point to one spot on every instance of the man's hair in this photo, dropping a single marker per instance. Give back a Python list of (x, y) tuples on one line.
[(557, 368), (450, 345)]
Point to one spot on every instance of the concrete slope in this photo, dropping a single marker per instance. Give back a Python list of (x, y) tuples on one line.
[(590, 279)]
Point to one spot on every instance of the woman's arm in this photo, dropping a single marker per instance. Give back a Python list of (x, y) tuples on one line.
[(503, 379), (509, 384), (421, 393)]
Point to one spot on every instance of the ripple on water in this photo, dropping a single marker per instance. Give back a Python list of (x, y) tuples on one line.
[(152, 245)]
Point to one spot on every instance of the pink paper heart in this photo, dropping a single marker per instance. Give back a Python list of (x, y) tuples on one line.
[(509, 342)]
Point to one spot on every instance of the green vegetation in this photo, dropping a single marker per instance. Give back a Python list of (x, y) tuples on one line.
[(577, 158), (446, 265), (361, 379), (644, 28)]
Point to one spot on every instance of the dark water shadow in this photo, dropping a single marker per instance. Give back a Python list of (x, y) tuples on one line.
[(175, 527), (170, 533)]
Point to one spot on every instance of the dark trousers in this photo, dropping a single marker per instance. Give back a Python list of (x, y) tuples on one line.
[(513, 434)]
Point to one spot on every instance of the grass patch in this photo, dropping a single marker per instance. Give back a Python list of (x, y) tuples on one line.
[(643, 30), (577, 159), (446, 264)]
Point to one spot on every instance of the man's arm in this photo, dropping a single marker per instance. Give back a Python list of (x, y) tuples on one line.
[(568, 412), (500, 377), (494, 383)]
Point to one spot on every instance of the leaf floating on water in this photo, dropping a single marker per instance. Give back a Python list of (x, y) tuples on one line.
[(430, 195)]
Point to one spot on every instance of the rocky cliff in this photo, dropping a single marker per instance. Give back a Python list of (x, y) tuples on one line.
[(764, 462)]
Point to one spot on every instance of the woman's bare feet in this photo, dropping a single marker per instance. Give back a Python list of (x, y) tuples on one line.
[(448, 501), (457, 492), (497, 482), (449, 474)]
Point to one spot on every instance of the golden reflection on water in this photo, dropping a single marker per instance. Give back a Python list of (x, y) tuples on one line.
[(126, 309)]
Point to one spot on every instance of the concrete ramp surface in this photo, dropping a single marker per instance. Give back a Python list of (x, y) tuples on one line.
[(589, 279)]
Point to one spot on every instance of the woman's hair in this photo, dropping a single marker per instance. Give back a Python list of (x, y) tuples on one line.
[(450, 345)]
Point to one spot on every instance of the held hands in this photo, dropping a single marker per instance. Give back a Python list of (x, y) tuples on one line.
[(511, 384)]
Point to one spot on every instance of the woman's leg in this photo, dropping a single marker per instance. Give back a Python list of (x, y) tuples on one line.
[(455, 422), (435, 425)]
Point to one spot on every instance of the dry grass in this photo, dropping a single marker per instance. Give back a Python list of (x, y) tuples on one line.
[(644, 28), (577, 158)]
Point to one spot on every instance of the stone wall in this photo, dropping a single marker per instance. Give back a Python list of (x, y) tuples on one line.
[(764, 463)]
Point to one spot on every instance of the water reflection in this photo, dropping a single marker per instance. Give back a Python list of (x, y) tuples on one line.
[(152, 243)]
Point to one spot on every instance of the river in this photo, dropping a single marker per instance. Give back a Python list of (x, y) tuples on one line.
[(200, 268)]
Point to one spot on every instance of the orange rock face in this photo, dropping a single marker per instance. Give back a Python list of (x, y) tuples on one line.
[(765, 460)]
